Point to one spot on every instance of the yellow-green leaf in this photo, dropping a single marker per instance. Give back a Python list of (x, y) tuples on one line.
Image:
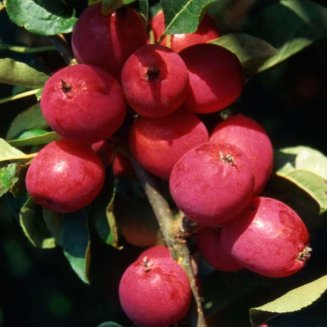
[(8, 152), (293, 300)]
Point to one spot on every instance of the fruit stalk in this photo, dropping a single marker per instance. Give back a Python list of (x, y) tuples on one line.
[(172, 230), (60, 43)]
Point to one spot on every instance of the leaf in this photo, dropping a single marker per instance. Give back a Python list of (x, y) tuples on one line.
[(75, 241), (33, 226), (293, 300), (45, 17), (112, 5), (144, 9), (28, 119), (8, 152), (183, 16), (301, 157), (35, 140), (109, 324), (8, 178), (18, 73), (306, 168), (106, 226), (293, 25), (251, 51), (53, 221)]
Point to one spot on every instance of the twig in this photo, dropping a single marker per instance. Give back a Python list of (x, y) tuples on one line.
[(21, 49), (171, 229), (63, 48)]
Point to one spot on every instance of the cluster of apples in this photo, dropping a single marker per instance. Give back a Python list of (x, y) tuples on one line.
[(215, 179)]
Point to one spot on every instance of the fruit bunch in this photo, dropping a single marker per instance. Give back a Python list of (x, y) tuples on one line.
[(159, 93)]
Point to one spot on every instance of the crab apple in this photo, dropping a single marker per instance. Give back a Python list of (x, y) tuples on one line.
[(158, 143), (252, 138), (107, 40), (83, 103), (65, 176), (268, 237), (206, 32), (155, 81), (154, 291), (210, 248), (212, 183), (216, 77)]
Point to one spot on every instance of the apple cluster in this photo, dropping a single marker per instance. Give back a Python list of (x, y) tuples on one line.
[(215, 178)]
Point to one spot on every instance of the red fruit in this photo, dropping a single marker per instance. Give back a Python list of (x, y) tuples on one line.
[(65, 176), (83, 103), (155, 292), (216, 77), (268, 238), (158, 143), (155, 81), (106, 41), (208, 241), (253, 140), (212, 183), (206, 32)]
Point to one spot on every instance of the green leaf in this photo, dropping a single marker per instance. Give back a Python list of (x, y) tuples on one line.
[(293, 300), (53, 221), (183, 16), (293, 25), (18, 73), (251, 51), (112, 5), (144, 9), (29, 119), (306, 168), (8, 152), (75, 240), (35, 140), (33, 226), (105, 224), (8, 178), (45, 17), (110, 324)]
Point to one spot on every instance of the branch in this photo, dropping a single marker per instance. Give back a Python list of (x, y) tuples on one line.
[(172, 230)]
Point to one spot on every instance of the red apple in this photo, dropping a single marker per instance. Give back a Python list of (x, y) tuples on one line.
[(268, 237), (155, 292), (106, 41), (65, 176), (212, 183), (206, 32), (83, 103), (155, 81), (158, 143), (216, 77), (253, 140), (208, 241)]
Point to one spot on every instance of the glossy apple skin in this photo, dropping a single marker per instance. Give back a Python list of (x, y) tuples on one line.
[(155, 81), (252, 139), (212, 183), (158, 143), (208, 241), (83, 103), (155, 292), (106, 41), (65, 176), (268, 238), (207, 31), (216, 77)]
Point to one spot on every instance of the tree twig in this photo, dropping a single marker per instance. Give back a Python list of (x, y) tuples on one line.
[(63, 48), (172, 231)]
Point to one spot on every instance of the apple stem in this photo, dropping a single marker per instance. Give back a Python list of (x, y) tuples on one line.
[(64, 49), (170, 227)]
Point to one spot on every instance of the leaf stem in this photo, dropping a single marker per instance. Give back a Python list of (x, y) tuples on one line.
[(19, 96), (172, 230), (21, 49)]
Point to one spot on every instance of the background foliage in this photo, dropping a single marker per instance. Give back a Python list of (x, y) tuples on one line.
[(283, 48)]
